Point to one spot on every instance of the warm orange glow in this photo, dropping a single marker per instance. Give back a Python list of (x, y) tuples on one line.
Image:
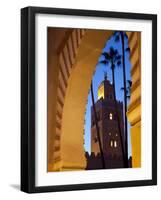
[(101, 92)]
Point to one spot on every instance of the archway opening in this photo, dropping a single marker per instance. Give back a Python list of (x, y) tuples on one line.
[(103, 71), (72, 64)]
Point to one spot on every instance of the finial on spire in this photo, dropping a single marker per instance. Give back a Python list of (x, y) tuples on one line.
[(105, 75)]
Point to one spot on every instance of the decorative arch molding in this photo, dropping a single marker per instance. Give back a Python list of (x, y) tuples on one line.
[(67, 52), (61, 57)]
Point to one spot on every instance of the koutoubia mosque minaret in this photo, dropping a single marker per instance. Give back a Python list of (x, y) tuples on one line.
[(108, 128)]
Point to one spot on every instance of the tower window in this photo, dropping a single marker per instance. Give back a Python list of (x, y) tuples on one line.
[(109, 133), (115, 143), (111, 143), (110, 116), (116, 134)]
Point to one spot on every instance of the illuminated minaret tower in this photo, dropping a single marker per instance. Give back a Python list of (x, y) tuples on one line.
[(108, 126)]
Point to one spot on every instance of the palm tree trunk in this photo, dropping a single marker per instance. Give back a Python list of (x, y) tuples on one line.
[(117, 115), (125, 99), (97, 128)]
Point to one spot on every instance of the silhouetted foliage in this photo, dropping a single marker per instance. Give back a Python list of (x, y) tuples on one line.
[(121, 36), (128, 89), (127, 49), (112, 57)]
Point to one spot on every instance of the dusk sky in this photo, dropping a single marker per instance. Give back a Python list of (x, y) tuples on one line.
[(98, 78)]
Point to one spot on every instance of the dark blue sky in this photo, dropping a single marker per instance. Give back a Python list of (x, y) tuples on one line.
[(98, 78)]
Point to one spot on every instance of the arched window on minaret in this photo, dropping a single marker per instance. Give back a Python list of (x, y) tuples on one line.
[(111, 116), (115, 143), (111, 143)]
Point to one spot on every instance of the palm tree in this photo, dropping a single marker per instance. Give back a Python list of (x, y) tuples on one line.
[(122, 35), (97, 129), (113, 59)]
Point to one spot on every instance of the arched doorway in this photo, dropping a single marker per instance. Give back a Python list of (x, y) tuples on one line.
[(71, 64)]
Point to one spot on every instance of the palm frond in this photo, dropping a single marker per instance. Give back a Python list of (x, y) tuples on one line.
[(122, 88), (106, 55), (127, 49), (112, 52), (105, 62), (118, 57), (116, 52), (119, 63), (129, 82)]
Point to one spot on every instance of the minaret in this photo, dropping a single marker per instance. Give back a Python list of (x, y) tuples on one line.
[(108, 125), (105, 88)]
